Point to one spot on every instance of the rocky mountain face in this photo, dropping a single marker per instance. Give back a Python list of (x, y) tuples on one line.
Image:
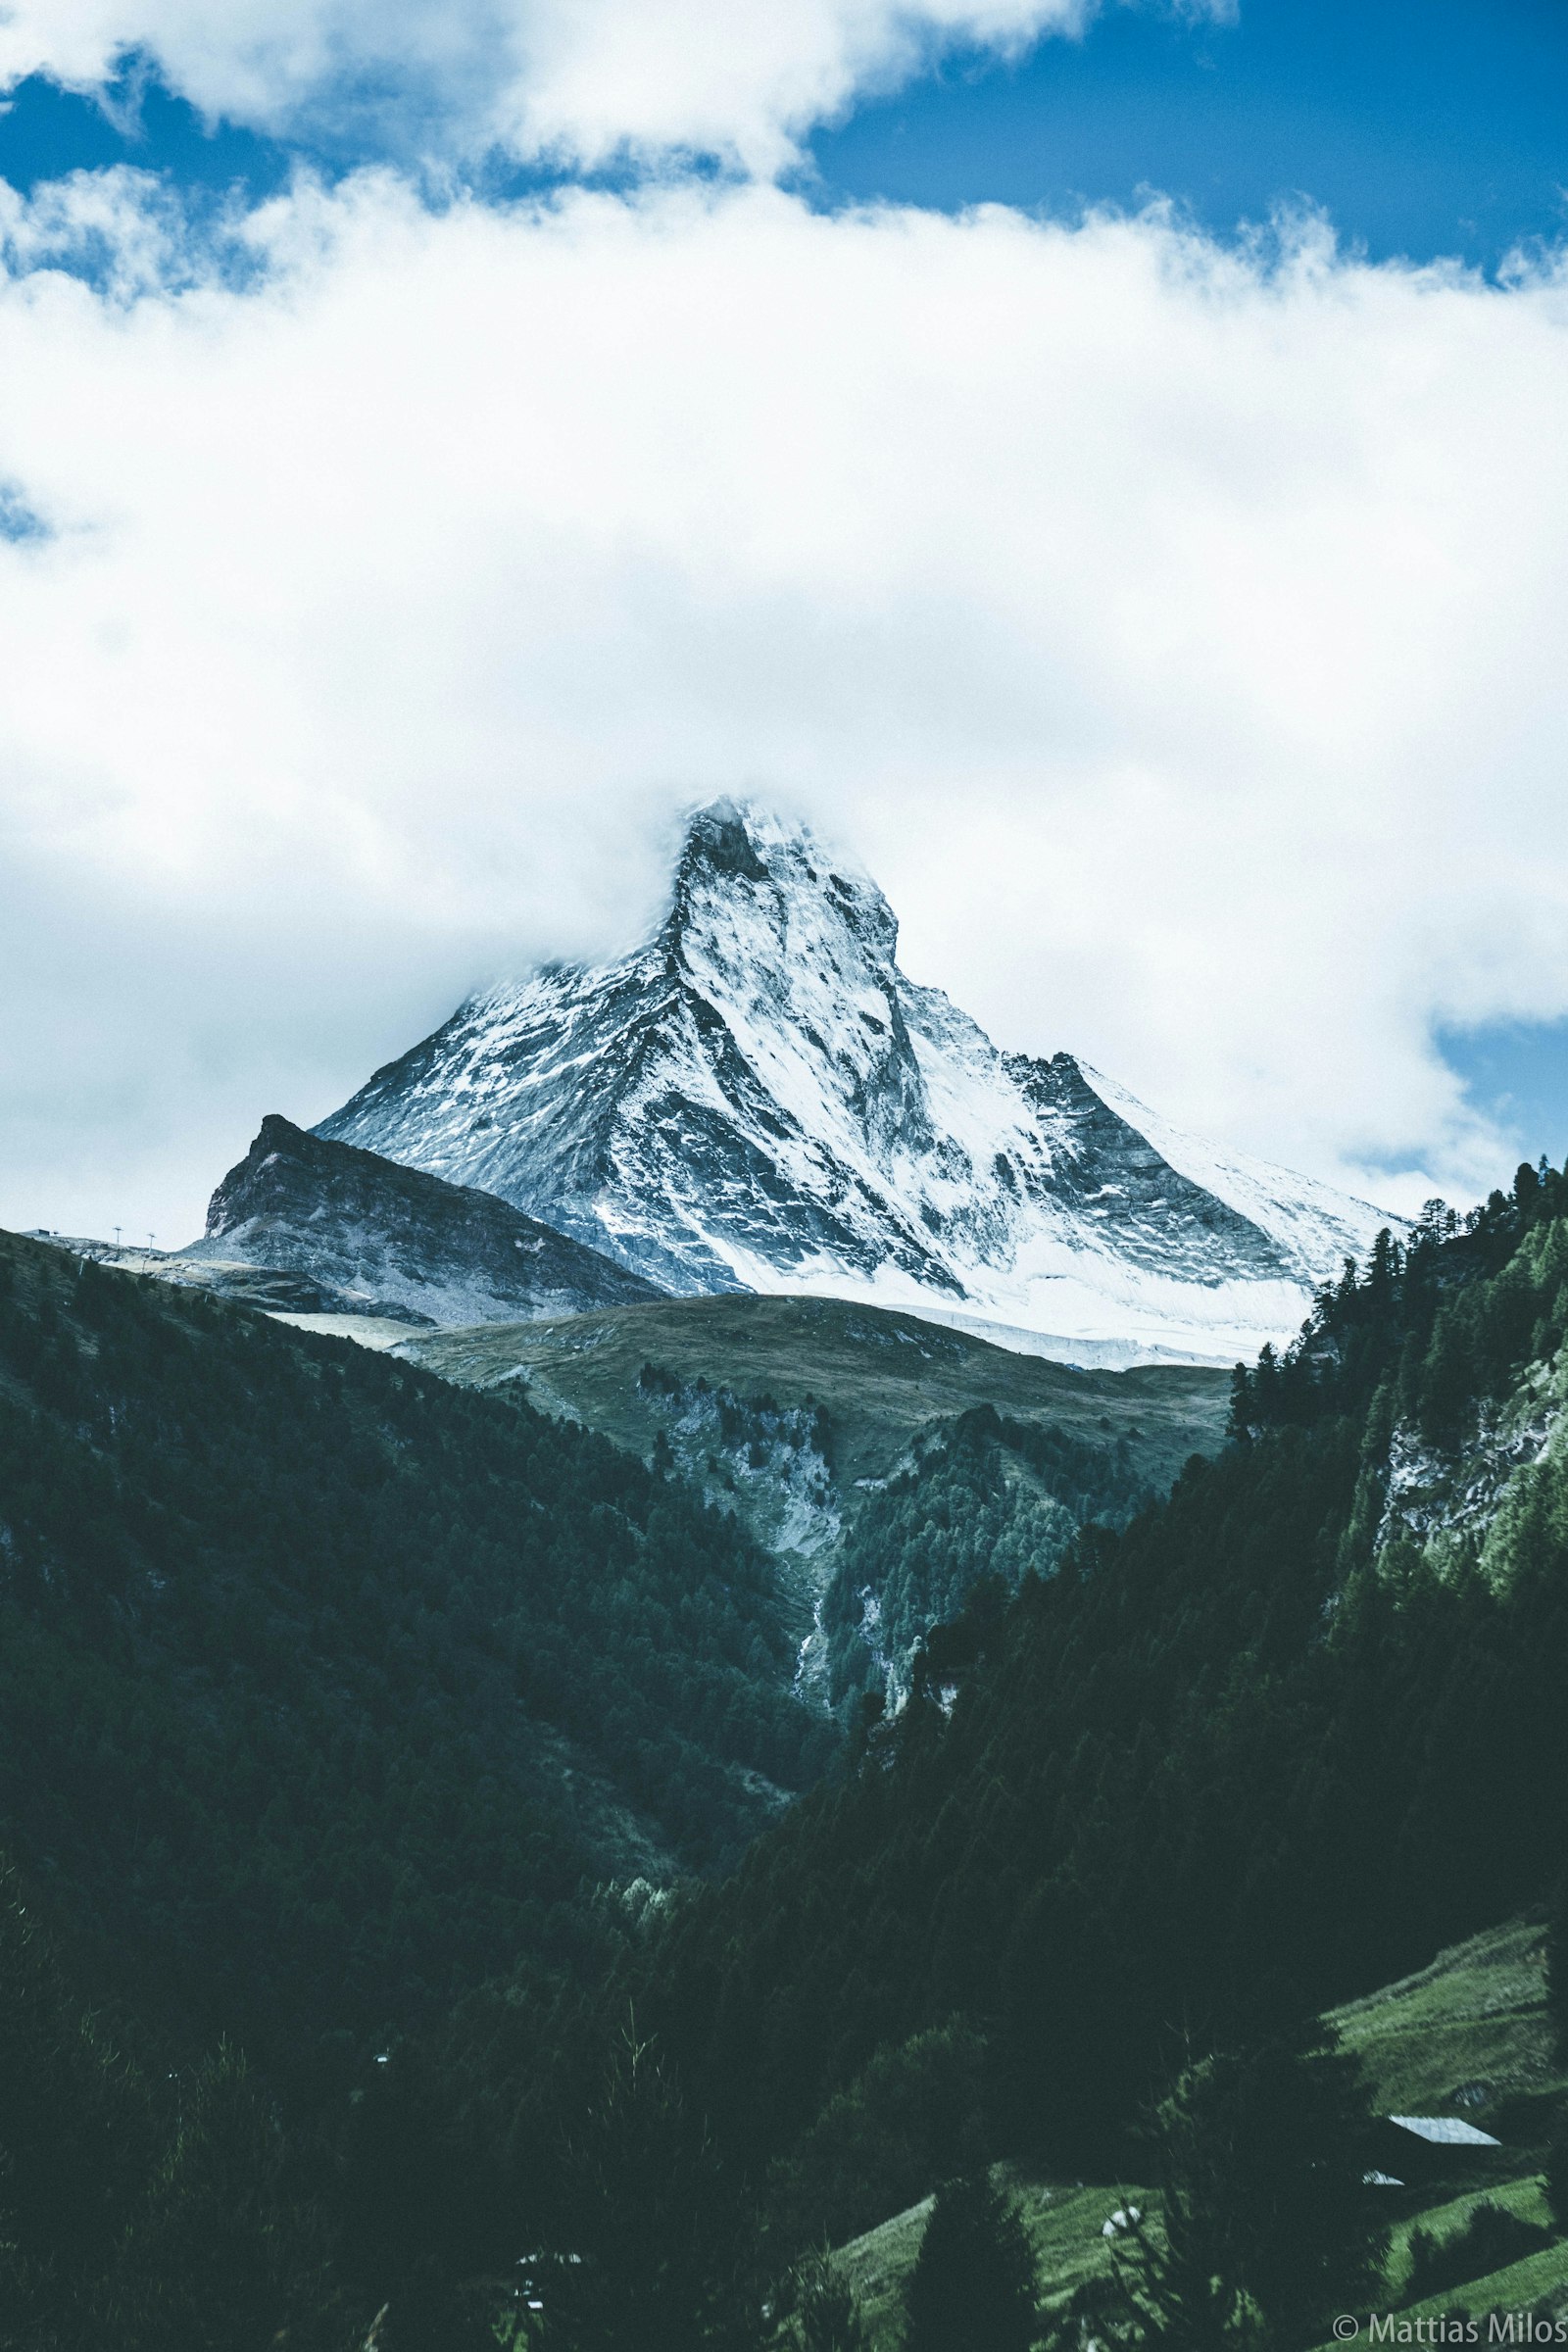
[(315, 1227), (809, 1418), (760, 1100)]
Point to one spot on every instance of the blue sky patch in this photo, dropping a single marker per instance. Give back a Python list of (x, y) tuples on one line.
[(1516, 1074), (46, 133), (1424, 127), (18, 521)]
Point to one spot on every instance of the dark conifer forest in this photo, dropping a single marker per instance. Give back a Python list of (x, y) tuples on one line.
[(1218, 1762), (326, 1686), (429, 1900)]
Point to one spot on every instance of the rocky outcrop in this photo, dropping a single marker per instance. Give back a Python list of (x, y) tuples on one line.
[(311, 1226)]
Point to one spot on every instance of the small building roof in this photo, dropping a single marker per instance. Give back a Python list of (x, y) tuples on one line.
[(1445, 2130)]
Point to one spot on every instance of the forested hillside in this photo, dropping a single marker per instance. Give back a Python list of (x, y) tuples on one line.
[(1273, 1744), (985, 1500), (325, 1686), (1266, 1746)]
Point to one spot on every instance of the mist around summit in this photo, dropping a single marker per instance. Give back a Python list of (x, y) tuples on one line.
[(759, 1098)]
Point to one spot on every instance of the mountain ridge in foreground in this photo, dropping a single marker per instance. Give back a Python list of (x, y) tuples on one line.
[(389, 1241), (759, 1098)]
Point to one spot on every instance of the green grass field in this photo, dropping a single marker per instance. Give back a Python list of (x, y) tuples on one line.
[(1476, 2018), (1475, 2021), (1064, 2222)]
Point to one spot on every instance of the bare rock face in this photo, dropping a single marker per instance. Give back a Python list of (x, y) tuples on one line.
[(308, 1226), (759, 1098)]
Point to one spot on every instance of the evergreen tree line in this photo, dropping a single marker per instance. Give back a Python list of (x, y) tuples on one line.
[(176, 2209)]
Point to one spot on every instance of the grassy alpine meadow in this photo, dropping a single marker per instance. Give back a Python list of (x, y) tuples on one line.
[(881, 1376), (1474, 2021)]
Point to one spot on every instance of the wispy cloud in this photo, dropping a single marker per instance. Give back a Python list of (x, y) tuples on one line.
[(582, 82)]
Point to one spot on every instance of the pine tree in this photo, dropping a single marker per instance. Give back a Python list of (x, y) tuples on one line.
[(1558, 2170), (416, 2212), (1267, 2227), (78, 2135), (655, 2251), (1557, 1968), (973, 2288), (217, 2256), (829, 2316), (1178, 2283)]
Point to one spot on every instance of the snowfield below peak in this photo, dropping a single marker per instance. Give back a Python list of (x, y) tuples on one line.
[(760, 1100)]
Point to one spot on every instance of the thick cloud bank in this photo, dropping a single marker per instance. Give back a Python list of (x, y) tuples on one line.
[(1176, 632)]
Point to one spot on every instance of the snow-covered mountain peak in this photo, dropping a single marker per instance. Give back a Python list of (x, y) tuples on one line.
[(760, 1100), (740, 863), (793, 950)]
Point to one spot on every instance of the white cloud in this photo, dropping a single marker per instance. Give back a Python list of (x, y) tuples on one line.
[(749, 80), (1178, 636), (582, 79)]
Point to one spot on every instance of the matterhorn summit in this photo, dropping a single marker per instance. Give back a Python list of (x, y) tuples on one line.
[(758, 1100)]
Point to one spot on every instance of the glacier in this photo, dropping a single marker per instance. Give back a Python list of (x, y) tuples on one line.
[(759, 1098)]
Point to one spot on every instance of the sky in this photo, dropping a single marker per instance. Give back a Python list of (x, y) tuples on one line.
[(1104, 464)]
